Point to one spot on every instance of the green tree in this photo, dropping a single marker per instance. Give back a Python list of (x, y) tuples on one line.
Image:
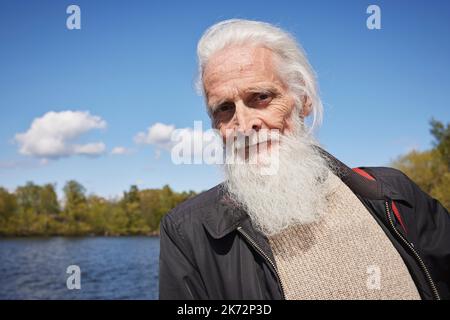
[(431, 169), (49, 200), (8, 204), (132, 207), (8, 210), (28, 197), (441, 134), (76, 209), (75, 195)]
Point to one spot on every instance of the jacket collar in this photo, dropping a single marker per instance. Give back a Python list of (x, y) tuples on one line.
[(368, 189), (228, 216)]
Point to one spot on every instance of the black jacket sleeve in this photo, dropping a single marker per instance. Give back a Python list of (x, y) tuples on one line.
[(178, 275), (430, 233)]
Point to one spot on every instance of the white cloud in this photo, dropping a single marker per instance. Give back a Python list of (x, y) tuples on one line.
[(54, 134), (119, 150), (167, 136), (158, 134)]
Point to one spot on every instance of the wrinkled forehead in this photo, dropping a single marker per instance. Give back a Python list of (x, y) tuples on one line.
[(238, 62)]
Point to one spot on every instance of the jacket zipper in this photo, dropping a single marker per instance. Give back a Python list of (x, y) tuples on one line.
[(416, 254), (264, 255)]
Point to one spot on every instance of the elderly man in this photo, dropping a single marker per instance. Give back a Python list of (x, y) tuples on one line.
[(315, 229)]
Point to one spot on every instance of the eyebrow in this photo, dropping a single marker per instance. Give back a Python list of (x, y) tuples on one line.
[(263, 88)]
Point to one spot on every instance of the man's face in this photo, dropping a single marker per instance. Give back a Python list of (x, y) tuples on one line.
[(244, 92)]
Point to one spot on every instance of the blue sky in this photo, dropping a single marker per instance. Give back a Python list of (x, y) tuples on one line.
[(133, 64)]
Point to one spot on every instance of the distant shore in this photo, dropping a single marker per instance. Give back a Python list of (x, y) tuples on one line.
[(151, 234)]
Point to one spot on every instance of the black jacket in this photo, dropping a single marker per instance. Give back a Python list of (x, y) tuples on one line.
[(209, 249)]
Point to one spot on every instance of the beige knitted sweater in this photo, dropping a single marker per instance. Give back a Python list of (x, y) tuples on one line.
[(345, 255)]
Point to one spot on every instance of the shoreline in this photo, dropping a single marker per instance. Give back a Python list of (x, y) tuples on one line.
[(152, 235)]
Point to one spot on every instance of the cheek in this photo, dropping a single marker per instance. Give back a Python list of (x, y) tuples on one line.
[(277, 115)]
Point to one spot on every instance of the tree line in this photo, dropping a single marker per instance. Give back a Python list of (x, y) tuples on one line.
[(34, 210)]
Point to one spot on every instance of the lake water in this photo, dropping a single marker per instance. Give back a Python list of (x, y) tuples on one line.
[(111, 267)]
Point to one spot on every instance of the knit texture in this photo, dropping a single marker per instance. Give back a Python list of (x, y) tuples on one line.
[(345, 255)]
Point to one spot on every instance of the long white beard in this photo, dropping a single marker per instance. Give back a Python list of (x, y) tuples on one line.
[(295, 194)]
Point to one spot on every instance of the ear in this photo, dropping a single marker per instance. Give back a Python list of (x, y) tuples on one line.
[(307, 106)]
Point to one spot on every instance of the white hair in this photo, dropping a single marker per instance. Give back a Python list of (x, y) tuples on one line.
[(290, 58)]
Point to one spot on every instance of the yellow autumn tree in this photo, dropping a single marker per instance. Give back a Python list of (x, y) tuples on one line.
[(431, 169)]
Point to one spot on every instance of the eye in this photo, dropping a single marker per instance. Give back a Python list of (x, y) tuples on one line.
[(224, 112), (263, 96), (261, 99), (225, 107)]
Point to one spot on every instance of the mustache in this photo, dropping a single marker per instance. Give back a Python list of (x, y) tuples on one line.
[(258, 138)]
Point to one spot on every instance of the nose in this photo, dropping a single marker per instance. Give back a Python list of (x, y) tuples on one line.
[(246, 119)]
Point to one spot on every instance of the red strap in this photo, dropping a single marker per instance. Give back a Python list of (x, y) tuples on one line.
[(361, 172), (398, 216), (394, 206)]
